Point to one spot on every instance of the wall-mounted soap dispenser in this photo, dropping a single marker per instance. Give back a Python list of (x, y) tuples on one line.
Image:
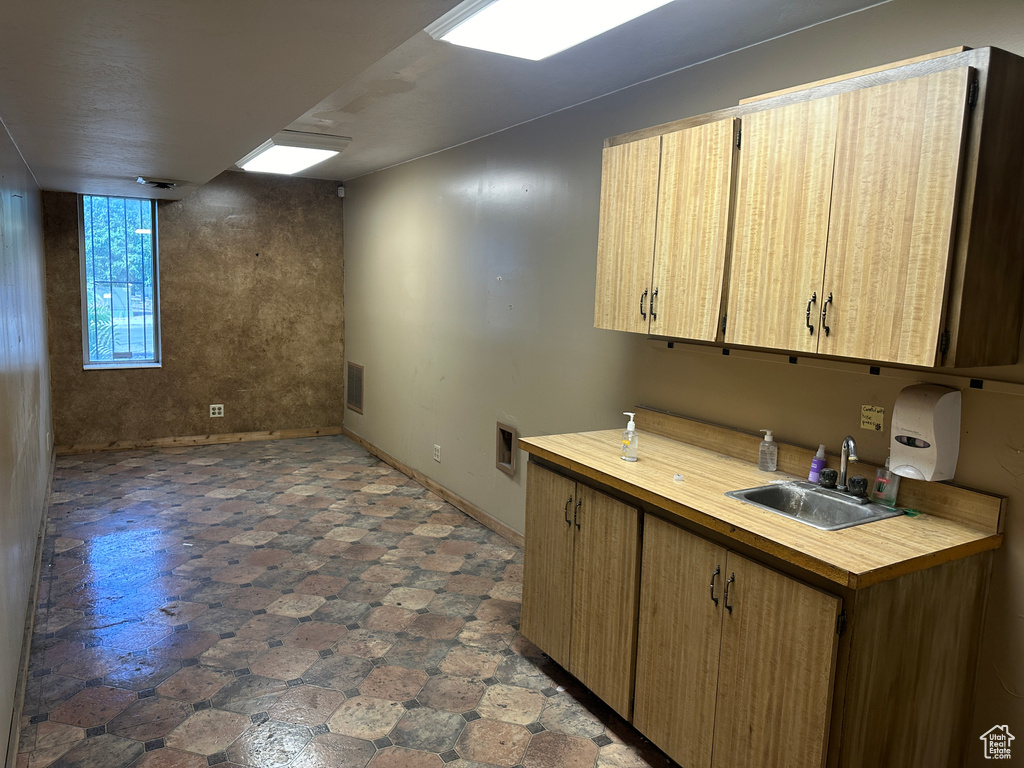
[(926, 432)]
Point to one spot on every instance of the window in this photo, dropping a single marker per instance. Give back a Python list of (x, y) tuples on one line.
[(120, 317)]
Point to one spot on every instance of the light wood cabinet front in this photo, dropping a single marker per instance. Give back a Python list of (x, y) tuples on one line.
[(781, 226), (899, 149), (604, 598), (625, 241), (691, 246), (735, 661), (580, 573), (777, 669), (678, 641), (548, 562)]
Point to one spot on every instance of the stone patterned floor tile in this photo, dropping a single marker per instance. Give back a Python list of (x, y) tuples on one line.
[(511, 704), (269, 744), (494, 742), (208, 731), (289, 602), (285, 662), (308, 705), (150, 718), (429, 730), (105, 750), (335, 750), (395, 683), (194, 683), (93, 706), (548, 748), (365, 717)]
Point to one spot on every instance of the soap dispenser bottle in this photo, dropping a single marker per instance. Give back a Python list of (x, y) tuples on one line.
[(817, 464), (768, 453), (629, 438)]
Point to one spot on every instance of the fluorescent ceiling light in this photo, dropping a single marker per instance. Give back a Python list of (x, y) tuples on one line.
[(292, 151), (534, 29)]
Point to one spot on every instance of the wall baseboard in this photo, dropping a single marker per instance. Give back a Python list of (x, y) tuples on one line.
[(175, 442), (503, 530)]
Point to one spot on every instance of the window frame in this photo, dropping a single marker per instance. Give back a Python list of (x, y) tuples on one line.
[(87, 363)]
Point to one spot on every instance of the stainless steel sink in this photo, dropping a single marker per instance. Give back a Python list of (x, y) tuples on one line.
[(823, 508)]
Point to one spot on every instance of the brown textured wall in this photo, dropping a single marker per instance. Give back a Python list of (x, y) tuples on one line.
[(251, 305), (24, 413)]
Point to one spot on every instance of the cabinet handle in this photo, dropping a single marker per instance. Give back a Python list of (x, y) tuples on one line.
[(653, 297), (576, 512), (730, 580), (643, 300), (824, 314), (567, 503), (814, 299), (714, 576)]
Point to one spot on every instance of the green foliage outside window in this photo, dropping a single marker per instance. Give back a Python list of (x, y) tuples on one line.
[(119, 281)]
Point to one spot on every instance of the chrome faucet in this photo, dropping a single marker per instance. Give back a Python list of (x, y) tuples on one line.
[(848, 453)]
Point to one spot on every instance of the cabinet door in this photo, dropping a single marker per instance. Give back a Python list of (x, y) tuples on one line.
[(678, 641), (625, 241), (603, 647), (692, 232), (898, 162), (776, 672), (547, 564), (783, 189)]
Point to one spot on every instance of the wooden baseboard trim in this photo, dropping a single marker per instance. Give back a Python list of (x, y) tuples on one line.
[(500, 528), (190, 440)]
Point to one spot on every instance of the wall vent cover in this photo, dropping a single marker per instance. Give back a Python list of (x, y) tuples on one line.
[(354, 391)]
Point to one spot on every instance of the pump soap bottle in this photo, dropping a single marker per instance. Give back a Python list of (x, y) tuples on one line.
[(768, 453), (629, 438), (817, 464)]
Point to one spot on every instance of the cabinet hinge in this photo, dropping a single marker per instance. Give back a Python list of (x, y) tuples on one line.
[(841, 623), (739, 136), (944, 342), (972, 93), (724, 318)]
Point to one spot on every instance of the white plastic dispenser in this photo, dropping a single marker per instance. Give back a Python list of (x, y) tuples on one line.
[(925, 441), (768, 453), (629, 438)]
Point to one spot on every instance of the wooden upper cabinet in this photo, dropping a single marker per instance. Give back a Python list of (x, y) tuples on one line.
[(691, 245), (899, 151), (777, 669), (625, 241), (781, 225)]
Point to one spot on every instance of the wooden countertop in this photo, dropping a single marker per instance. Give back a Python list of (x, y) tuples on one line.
[(853, 557)]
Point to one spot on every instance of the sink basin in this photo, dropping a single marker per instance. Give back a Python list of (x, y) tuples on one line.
[(823, 508)]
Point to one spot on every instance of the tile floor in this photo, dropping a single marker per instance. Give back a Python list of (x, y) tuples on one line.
[(288, 603)]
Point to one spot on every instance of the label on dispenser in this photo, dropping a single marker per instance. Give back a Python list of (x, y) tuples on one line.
[(872, 417)]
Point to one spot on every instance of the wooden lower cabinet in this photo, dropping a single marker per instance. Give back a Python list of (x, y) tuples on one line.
[(735, 661), (580, 582)]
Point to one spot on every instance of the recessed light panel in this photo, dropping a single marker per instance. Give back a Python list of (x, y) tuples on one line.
[(536, 29), (275, 159)]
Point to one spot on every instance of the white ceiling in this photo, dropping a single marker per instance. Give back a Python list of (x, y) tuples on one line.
[(97, 93)]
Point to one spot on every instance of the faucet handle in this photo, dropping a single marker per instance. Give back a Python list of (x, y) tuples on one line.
[(858, 485), (828, 478)]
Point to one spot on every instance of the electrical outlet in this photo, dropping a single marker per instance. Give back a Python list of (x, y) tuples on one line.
[(437, 453), (216, 411)]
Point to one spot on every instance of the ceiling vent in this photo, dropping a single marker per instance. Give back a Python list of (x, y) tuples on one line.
[(155, 183)]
